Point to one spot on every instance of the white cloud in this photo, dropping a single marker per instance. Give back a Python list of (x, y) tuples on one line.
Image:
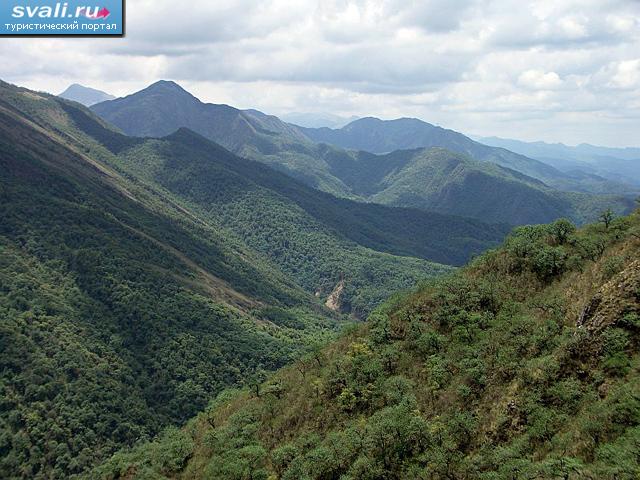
[(626, 74), (539, 80), (492, 67)]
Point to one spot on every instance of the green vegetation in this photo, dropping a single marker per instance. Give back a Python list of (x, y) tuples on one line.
[(382, 136), (525, 364), (139, 278), (486, 183), (449, 183), (120, 314)]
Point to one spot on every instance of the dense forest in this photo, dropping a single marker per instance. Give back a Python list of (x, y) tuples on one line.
[(140, 278), (119, 317), (524, 364), (130, 297)]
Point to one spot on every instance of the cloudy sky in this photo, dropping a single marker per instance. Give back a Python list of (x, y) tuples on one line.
[(560, 70)]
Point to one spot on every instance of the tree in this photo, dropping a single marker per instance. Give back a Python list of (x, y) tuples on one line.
[(256, 380), (561, 230), (607, 217)]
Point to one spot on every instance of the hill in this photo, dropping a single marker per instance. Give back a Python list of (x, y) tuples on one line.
[(85, 95), (140, 277), (165, 107), (121, 312), (289, 222), (522, 365), (384, 136), (438, 180)]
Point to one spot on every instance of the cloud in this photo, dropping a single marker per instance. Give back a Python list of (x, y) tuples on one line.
[(484, 66), (539, 80)]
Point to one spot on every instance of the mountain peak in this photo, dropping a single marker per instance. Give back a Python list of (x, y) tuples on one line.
[(166, 85), (85, 95)]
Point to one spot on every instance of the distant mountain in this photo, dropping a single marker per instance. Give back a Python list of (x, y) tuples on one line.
[(85, 95), (615, 164), (439, 180), (165, 107), (382, 136), (317, 120)]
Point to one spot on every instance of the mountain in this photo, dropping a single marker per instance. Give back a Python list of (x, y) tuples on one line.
[(122, 311), (524, 364), (317, 120), (439, 180), (165, 107), (380, 136), (85, 95), (615, 164), (141, 277), (442, 181)]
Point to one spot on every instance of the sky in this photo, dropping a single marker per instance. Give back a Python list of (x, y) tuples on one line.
[(558, 71)]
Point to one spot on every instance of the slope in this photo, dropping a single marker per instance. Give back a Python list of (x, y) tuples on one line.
[(164, 107), (523, 365), (121, 312), (441, 181), (314, 237)]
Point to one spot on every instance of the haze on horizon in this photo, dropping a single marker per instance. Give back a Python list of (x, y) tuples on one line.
[(554, 71)]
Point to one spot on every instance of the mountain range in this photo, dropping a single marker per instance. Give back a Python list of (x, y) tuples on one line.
[(157, 252), (380, 136), (142, 276), (494, 175), (616, 164), (522, 365)]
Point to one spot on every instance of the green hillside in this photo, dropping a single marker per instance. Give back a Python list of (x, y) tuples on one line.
[(164, 107), (286, 219), (383, 136), (411, 178), (523, 365), (439, 180), (121, 313), (139, 278)]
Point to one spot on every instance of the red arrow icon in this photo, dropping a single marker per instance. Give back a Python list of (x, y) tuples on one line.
[(104, 13)]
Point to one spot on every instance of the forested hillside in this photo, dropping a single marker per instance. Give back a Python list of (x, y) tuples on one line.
[(314, 237), (450, 183), (401, 178), (524, 364), (384, 136), (139, 278), (164, 107), (121, 312)]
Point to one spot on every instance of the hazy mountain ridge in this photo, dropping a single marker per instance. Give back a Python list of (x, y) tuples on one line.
[(383, 136), (616, 164), (85, 95)]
